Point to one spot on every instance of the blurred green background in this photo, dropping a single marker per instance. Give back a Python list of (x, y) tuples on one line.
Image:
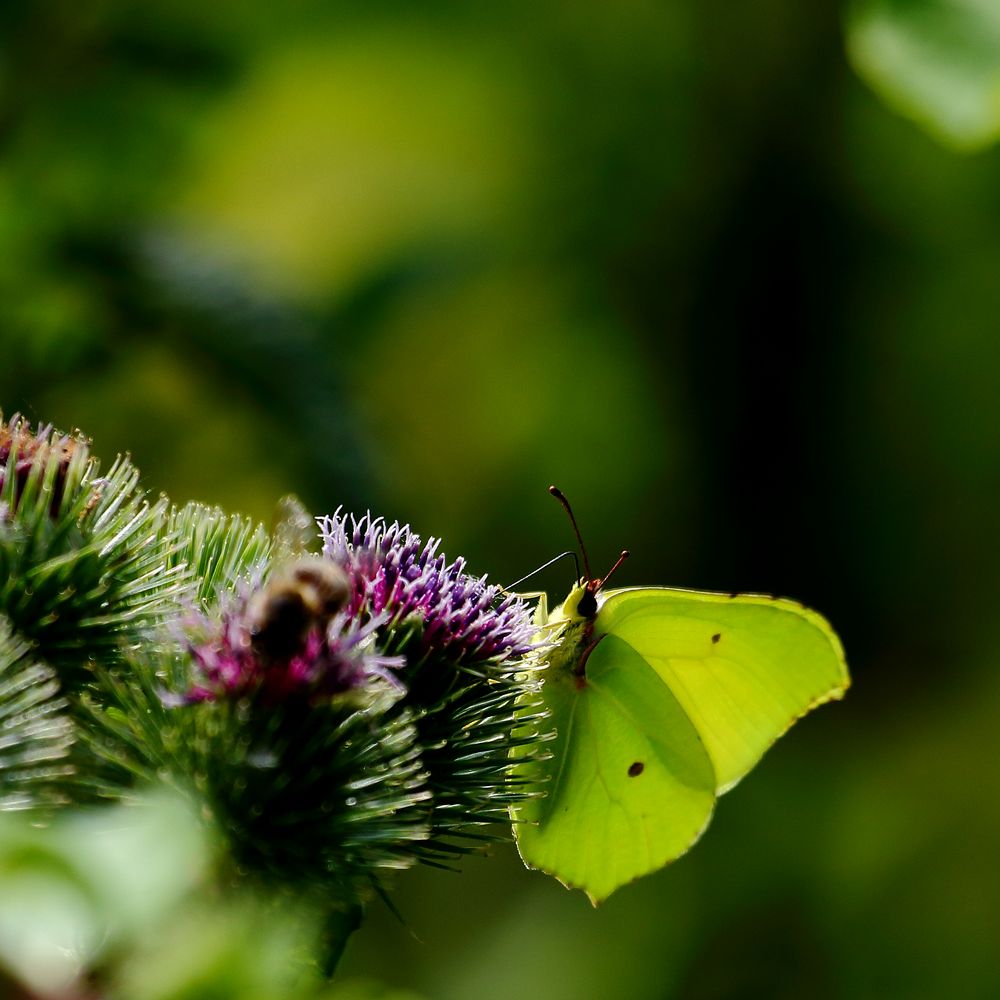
[(677, 258)]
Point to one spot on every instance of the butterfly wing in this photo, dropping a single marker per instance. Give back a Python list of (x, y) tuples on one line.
[(629, 785), (743, 668), (683, 692)]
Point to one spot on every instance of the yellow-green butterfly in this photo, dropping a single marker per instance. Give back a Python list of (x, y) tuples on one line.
[(660, 700)]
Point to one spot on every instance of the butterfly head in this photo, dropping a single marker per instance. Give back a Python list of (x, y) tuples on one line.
[(580, 604)]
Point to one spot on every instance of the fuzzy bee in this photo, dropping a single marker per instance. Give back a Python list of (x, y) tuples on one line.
[(301, 597)]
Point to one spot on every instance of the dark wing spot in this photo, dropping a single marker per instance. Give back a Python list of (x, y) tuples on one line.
[(716, 637), (636, 769)]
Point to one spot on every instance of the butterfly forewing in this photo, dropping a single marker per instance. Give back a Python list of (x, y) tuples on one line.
[(743, 668)]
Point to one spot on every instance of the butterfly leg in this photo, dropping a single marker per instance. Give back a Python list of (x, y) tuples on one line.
[(580, 670), (542, 608)]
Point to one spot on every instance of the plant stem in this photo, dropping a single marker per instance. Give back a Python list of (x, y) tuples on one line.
[(340, 924)]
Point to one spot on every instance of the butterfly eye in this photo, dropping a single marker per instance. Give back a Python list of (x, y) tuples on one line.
[(587, 606)]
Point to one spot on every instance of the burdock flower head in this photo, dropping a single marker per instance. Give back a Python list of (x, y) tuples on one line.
[(287, 718), (469, 674)]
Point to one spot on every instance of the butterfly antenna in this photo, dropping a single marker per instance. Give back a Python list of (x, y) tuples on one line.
[(625, 554), (528, 576), (561, 497)]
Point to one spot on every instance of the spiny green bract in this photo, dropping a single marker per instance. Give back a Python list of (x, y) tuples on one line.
[(465, 646), (35, 729), (216, 550), (317, 796)]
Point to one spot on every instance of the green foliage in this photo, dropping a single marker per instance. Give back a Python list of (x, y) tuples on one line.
[(93, 884), (935, 61)]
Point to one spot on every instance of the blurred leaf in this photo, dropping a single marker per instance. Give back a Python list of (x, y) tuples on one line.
[(93, 881), (935, 61), (141, 858), (50, 923), (206, 952)]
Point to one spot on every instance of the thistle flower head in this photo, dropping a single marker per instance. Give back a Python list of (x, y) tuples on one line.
[(396, 575), (338, 657), (468, 672)]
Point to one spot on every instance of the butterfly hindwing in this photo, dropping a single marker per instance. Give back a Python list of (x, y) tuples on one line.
[(629, 785)]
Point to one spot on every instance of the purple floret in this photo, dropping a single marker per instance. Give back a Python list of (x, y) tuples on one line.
[(396, 575)]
